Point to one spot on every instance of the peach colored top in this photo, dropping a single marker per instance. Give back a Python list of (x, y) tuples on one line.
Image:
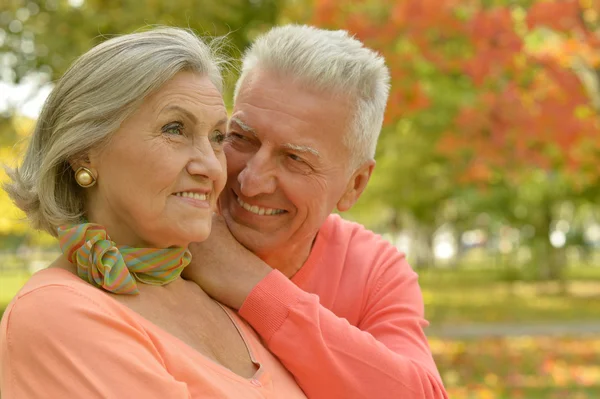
[(62, 338)]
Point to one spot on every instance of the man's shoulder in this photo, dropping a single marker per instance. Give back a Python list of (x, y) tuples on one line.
[(357, 240), (361, 257), (348, 230)]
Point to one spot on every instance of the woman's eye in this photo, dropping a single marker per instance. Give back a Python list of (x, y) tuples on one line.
[(173, 128), (218, 137)]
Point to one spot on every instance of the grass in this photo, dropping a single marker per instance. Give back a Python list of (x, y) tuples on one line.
[(476, 296)]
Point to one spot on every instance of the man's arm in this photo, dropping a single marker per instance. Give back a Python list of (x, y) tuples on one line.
[(386, 356)]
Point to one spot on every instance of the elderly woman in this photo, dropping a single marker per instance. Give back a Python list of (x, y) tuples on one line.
[(124, 168)]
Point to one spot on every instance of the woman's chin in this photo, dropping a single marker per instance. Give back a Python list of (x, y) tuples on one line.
[(201, 236), (180, 237)]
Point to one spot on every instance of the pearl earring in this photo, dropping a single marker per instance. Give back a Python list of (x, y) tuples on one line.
[(84, 177)]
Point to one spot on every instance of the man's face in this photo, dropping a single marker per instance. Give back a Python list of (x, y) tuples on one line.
[(287, 165)]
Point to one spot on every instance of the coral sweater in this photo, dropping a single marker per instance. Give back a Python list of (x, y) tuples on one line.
[(350, 323)]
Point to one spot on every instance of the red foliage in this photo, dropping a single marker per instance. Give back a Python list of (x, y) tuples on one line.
[(420, 16), (326, 12), (495, 44), (562, 15), (527, 108)]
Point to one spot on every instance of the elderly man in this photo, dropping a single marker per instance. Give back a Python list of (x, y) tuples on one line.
[(337, 304)]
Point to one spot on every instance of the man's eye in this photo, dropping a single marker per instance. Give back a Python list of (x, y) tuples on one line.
[(295, 157), (298, 164), (235, 136), (173, 128)]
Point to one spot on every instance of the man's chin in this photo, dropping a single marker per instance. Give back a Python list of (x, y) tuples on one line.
[(247, 236), (254, 240)]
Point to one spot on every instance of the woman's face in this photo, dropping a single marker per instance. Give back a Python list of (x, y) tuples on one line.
[(160, 174)]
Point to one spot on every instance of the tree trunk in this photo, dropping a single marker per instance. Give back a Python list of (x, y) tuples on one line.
[(424, 255), (552, 260)]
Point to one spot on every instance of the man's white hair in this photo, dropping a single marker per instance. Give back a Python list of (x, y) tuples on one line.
[(332, 61)]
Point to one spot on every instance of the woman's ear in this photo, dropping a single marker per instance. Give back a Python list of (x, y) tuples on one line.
[(79, 161), (88, 159), (85, 174)]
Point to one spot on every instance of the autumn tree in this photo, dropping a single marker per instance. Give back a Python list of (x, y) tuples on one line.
[(490, 99)]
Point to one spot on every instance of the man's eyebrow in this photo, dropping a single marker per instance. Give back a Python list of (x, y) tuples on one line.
[(302, 148), (243, 125), (289, 146)]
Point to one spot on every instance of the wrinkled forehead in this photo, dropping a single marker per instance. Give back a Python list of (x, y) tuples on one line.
[(267, 99), (292, 85)]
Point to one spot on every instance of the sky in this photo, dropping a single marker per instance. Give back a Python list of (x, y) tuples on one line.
[(27, 97)]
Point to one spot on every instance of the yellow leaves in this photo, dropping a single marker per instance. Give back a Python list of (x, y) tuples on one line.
[(590, 12), (590, 15), (485, 393), (427, 298), (23, 126), (519, 367), (11, 218), (451, 378), (568, 51), (573, 48), (491, 379), (520, 61), (522, 343), (584, 112), (560, 373)]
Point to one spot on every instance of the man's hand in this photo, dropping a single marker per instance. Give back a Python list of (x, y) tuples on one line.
[(223, 267)]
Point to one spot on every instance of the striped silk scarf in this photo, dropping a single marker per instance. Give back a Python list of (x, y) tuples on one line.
[(115, 268)]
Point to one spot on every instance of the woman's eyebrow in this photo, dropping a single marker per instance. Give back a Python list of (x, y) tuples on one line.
[(221, 122), (184, 111)]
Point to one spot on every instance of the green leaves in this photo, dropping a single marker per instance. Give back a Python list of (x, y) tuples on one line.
[(58, 32)]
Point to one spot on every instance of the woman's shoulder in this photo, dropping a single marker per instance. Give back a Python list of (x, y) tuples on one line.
[(51, 277), (56, 315), (64, 335), (57, 298), (53, 287)]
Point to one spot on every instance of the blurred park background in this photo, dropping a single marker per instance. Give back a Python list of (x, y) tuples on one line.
[(488, 166)]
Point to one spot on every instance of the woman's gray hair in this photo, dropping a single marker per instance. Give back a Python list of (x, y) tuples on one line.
[(89, 102), (331, 61)]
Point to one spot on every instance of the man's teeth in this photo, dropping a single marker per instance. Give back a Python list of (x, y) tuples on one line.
[(259, 211), (197, 196)]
